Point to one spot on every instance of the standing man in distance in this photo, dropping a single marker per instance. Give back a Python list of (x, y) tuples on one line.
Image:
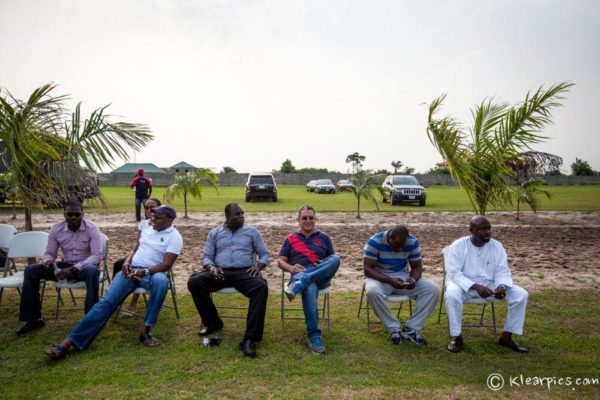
[(142, 186), (229, 261), (387, 257), (477, 266), (309, 256), (81, 246)]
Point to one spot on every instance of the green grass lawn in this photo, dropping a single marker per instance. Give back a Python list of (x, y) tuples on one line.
[(561, 331), (439, 198)]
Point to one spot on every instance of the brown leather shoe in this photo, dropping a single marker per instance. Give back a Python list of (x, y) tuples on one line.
[(455, 344), (514, 346)]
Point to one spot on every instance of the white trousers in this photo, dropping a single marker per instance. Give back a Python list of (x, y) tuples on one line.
[(516, 297), (426, 294)]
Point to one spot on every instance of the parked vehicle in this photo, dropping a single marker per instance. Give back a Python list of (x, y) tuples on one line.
[(310, 186), (403, 189), (261, 185), (344, 185), (325, 186)]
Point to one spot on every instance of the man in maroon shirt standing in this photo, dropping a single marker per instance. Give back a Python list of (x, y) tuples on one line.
[(81, 247)]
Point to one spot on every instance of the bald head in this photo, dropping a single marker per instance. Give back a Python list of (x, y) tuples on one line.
[(481, 230)]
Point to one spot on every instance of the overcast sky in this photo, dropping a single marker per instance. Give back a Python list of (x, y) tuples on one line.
[(250, 83)]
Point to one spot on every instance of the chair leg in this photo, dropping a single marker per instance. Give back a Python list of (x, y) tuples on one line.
[(57, 303), (362, 295), (482, 315), (1, 291), (72, 297), (441, 306), (174, 296), (328, 313), (368, 316), (410, 307), (494, 319)]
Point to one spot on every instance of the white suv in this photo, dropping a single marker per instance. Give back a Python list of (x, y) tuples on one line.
[(403, 189)]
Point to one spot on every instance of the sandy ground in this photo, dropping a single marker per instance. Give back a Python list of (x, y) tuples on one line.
[(546, 250)]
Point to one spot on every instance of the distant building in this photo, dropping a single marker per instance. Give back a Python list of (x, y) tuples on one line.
[(131, 169), (182, 168)]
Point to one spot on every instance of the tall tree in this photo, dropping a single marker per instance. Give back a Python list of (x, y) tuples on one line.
[(355, 159), (364, 185), (228, 170), (287, 167), (499, 133), (582, 168), (191, 184)]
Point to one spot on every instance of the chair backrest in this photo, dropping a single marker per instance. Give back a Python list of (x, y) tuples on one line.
[(104, 239), (28, 244), (6, 233)]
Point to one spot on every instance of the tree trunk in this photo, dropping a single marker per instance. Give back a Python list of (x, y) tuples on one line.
[(358, 208), (14, 210), (28, 222), (185, 216)]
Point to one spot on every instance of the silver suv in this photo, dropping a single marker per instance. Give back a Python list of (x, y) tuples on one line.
[(403, 189)]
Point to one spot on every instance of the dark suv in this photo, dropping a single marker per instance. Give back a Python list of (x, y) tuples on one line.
[(403, 189), (261, 186)]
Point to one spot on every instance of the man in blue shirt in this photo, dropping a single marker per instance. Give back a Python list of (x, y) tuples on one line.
[(229, 261), (309, 256), (387, 256)]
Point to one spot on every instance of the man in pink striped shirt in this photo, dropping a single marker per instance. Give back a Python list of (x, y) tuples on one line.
[(81, 247)]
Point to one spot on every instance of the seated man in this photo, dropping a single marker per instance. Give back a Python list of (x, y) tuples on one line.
[(386, 258), (309, 256), (145, 266), (81, 246), (477, 266), (228, 261)]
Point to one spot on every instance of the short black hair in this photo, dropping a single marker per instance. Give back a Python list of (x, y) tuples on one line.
[(154, 199), (309, 208), (399, 232), (228, 208), (72, 203)]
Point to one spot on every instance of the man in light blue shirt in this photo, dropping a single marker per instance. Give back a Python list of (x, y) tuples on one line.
[(229, 261), (392, 265)]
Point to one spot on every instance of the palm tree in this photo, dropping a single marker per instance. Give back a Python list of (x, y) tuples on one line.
[(356, 160), (397, 165), (364, 184), (45, 151), (191, 184), (528, 192), (479, 161)]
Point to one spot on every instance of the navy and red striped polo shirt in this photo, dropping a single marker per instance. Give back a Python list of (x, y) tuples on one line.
[(306, 251)]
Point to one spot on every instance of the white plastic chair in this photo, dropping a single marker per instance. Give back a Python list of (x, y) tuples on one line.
[(6, 233), (324, 311), (398, 299), (144, 293), (70, 285), (21, 245), (471, 300)]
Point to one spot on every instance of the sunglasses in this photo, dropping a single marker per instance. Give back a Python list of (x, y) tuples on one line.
[(73, 214), (309, 217)]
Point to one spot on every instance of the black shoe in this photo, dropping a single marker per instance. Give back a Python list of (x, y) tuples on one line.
[(30, 326), (247, 347), (455, 344), (207, 330), (514, 346)]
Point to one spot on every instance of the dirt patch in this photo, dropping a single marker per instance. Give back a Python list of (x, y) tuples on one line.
[(547, 250)]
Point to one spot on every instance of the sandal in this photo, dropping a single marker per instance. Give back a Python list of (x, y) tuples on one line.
[(56, 352), (148, 340)]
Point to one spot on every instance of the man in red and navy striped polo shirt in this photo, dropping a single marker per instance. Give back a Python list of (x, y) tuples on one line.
[(309, 256)]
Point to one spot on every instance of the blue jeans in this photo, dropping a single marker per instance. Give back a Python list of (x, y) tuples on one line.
[(88, 328), (138, 209), (314, 279)]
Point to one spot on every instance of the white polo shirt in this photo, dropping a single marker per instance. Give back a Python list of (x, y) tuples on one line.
[(154, 245)]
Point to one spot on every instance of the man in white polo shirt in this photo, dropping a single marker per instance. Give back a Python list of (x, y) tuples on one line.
[(145, 266)]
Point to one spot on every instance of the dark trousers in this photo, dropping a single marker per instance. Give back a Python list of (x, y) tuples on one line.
[(201, 285), (31, 306), (139, 202)]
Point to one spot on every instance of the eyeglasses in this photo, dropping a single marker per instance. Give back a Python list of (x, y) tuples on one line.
[(307, 217), (73, 214)]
